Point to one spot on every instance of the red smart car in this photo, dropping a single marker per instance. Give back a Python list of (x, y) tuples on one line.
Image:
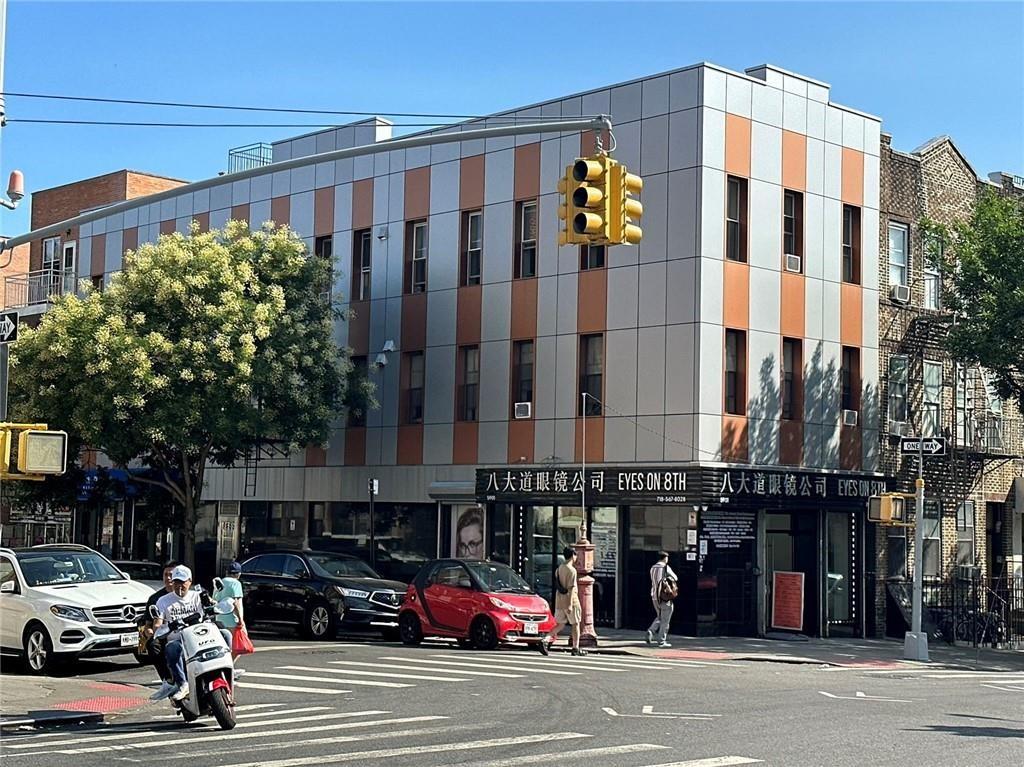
[(479, 603)]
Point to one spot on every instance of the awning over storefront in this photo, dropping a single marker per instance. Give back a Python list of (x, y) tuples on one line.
[(464, 490)]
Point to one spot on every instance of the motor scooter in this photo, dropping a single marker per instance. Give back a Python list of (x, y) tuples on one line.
[(209, 668)]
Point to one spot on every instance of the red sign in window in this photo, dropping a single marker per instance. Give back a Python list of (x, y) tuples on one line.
[(788, 601)]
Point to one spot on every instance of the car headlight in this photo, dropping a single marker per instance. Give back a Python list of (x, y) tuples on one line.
[(67, 612), (353, 593), (501, 604)]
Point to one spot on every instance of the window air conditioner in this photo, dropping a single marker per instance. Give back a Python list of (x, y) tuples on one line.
[(794, 263), (523, 409), (900, 294), (849, 418), (898, 428)]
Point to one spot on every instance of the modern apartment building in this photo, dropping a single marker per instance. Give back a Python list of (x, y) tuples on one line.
[(731, 360)]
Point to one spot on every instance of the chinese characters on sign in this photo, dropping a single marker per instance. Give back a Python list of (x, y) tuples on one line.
[(793, 485), (601, 485)]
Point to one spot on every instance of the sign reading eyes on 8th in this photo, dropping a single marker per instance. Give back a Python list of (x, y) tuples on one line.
[(8, 327)]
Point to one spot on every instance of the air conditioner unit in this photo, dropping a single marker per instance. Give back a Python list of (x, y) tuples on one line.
[(900, 294), (523, 409), (849, 418), (794, 263), (898, 428)]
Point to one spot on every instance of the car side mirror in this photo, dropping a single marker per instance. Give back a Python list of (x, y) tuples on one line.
[(8, 587), (125, 575)]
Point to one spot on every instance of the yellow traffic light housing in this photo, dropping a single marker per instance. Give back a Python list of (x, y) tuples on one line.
[(887, 509), (599, 204), (590, 198), (41, 452), (624, 210), (567, 211)]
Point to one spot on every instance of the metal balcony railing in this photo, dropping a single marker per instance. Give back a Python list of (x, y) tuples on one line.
[(38, 287), (249, 157)]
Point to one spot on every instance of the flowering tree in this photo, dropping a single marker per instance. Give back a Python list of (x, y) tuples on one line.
[(201, 346)]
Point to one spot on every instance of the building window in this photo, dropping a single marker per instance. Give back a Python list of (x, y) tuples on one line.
[(964, 405), (414, 390), (965, 533), (897, 388), (591, 374), (735, 372), (899, 255), (896, 553), (736, 219), (97, 282), (472, 247), (526, 240), (356, 416), (931, 402), (994, 415), (793, 229), (932, 534), (792, 379), (416, 257), (362, 249), (851, 244), (591, 256), (469, 383), (522, 372), (323, 247), (850, 378)]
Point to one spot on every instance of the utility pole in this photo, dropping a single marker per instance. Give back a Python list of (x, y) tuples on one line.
[(915, 642)]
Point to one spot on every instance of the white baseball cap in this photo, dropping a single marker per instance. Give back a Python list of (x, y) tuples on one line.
[(181, 573)]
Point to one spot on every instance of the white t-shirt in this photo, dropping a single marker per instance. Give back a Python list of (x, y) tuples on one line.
[(658, 573), (172, 607)]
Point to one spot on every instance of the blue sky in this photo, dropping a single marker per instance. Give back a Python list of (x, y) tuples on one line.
[(925, 68)]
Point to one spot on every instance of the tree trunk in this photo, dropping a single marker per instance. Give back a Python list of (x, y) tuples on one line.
[(189, 553)]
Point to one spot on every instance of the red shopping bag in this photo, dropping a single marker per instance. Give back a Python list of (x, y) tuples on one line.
[(240, 642)]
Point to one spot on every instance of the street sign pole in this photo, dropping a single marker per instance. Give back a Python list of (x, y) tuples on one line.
[(915, 642)]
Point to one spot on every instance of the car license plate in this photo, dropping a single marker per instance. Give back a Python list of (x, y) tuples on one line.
[(530, 629), (129, 640)]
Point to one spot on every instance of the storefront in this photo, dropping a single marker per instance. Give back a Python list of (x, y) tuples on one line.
[(728, 531)]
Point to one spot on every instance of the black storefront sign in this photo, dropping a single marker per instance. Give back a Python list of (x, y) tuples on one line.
[(670, 485)]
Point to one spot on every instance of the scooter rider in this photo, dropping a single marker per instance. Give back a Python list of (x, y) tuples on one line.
[(179, 604), (155, 646)]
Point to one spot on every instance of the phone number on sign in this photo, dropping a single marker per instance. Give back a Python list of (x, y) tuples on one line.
[(671, 499)]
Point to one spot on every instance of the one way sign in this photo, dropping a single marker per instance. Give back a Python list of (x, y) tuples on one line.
[(8, 327), (927, 445)]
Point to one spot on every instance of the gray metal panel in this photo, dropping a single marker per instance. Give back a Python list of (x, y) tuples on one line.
[(680, 438), (492, 445), (496, 311), (443, 251), (565, 439), (544, 379), (499, 169), (439, 397), (497, 255), (494, 381), (389, 445), (651, 370), (300, 216), (765, 299), (336, 448), (396, 195), (812, 444), (683, 139), (650, 438), (621, 370), (683, 213), (652, 293), (548, 226), (114, 252), (566, 383), (622, 297), (627, 145), (680, 369), (654, 149), (441, 314), (373, 439), (619, 439), (437, 443), (343, 207), (392, 325), (567, 294), (626, 101), (389, 255), (444, 187), (388, 392), (543, 439), (547, 306), (763, 440), (813, 375), (681, 291)]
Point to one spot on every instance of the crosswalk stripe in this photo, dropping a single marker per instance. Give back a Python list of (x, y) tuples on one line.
[(714, 761), (558, 756), (260, 713), (405, 665), (319, 646), (358, 672), (191, 739), (384, 753), (302, 678), (289, 688), (240, 725), (465, 664), (597, 665)]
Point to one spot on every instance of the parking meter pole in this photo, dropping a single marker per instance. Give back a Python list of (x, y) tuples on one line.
[(915, 642)]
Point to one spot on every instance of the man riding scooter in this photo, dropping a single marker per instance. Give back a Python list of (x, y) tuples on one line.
[(175, 606)]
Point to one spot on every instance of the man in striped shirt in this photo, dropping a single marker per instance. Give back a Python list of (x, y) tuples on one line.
[(663, 589)]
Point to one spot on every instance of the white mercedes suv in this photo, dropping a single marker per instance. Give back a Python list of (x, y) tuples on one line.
[(59, 602)]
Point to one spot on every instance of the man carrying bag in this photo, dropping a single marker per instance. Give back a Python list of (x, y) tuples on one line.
[(664, 590)]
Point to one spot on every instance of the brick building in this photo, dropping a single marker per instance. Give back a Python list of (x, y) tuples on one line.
[(970, 528)]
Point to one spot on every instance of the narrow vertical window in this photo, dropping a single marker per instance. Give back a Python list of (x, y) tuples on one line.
[(851, 244), (932, 534), (736, 219), (361, 260), (414, 390), (964, 405), (591, 374), (850, 378), (933, 277), (735, 372), (526, 240), (323, 247), (792, 379), (472, 250), (591, 256), (899, 257), (965, 533), (416, 257), (792, 230), (931, 403), (522, 372), (897, 388), (469, 385)]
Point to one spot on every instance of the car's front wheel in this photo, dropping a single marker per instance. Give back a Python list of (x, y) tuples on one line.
[(38, 650), (319, 622), (409, 629), (483, 634)]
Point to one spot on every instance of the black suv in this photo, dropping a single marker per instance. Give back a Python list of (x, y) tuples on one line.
[(318, 591)]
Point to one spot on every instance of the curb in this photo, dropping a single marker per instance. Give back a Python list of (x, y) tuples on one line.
[(52, 720)]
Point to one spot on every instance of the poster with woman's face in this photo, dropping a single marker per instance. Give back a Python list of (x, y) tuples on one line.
[(468, 533)]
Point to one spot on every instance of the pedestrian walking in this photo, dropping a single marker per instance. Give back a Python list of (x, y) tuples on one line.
[(567, 605), (664, 590)]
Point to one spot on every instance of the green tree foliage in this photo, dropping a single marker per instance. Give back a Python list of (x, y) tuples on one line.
[(982, 263), (199, 347)]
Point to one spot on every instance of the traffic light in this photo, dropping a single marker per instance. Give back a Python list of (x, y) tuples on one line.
[(42, 452), (567, 211), (624, 210), (584, 205), (887, 509)]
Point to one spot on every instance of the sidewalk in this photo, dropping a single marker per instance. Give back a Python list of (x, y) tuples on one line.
[(30, 701), (851, 653)]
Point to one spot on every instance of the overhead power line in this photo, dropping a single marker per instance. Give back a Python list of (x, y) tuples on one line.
[(132, 123)]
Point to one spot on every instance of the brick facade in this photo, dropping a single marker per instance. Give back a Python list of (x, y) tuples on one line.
[(18, 264)]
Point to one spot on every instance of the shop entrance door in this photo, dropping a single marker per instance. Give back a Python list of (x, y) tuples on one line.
[(791, 545), (841, 576)]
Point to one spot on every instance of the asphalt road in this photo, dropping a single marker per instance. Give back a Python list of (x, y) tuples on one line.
[(370, 702)]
